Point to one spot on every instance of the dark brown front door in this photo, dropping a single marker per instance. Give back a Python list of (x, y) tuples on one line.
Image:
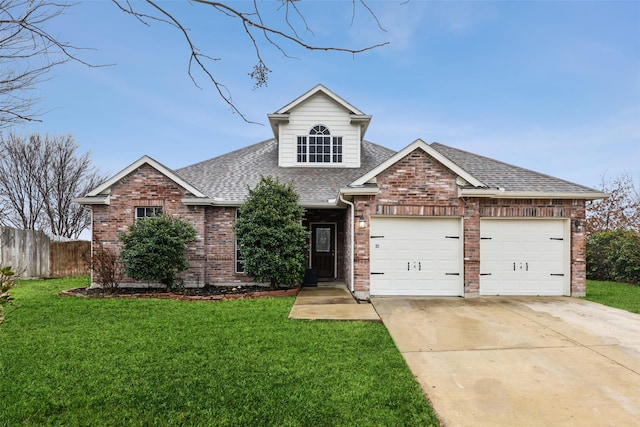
[(323, 250)]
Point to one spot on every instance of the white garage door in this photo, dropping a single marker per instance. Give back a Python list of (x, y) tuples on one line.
[(416, 256), (523, 257)]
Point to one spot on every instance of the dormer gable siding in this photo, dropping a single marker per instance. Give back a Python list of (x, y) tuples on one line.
[(319, 110)]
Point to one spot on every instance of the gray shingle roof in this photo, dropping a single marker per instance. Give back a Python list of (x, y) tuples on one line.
[(496, 174), (226, 177)]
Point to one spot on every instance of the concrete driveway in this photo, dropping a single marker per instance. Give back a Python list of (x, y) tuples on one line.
[(520, 361)]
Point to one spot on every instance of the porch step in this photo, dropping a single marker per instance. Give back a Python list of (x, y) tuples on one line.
[(330, 301)]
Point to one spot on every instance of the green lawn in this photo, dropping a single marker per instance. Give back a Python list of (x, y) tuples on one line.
[(619, 295), (95, 362)]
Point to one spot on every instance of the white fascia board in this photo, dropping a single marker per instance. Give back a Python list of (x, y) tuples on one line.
[(154, 164), (206, 201), (92, 200), (359, 191), (275, 120), (318, 88), (418, 143), (310, 204), (197, 201), (496, 193), (363, 121)]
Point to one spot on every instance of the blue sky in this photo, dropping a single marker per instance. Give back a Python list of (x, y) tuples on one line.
[(550, 86)]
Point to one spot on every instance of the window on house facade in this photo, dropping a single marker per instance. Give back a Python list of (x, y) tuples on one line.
[(319, 146), (239, 260), (148, 211)]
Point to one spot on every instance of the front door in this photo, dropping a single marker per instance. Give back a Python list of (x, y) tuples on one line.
[(323, 250)]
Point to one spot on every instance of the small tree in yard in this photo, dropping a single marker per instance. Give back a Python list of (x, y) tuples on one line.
[(154, 249), (271, 238), (106, 266)]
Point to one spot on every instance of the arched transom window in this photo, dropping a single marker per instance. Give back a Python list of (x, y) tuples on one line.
[(319, 146)]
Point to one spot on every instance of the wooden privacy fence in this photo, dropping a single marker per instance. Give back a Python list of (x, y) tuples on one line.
[(69, 258), (32, 254)]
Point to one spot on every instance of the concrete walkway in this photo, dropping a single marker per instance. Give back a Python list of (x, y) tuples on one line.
[(330, 301), (520, 361)]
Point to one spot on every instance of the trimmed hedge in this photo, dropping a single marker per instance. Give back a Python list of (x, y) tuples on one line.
[(614, 256)]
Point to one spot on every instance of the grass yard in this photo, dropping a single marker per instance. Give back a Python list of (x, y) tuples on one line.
[(619, 295), (96, 362)]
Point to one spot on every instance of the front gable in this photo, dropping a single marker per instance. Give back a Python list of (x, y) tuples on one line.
[(457, 175), (319, 115), (101, 195), (417, 179)]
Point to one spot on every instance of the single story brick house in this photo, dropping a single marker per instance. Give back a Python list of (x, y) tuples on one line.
[(427, 220)]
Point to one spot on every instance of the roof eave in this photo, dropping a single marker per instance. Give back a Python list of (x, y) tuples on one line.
[(310, 204), (497, 193), (92, 200), (363, 121), (275, 120), (359, 191), (311, 92), (205, 201), (106, 186)]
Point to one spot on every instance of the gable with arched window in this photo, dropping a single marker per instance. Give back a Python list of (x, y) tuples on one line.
[(319, 146)]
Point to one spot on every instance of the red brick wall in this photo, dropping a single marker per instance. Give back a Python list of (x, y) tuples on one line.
[(362, 206), (419, 185), (471, 225), (212, 257), (220, 247), (147, 187), (416, 185)]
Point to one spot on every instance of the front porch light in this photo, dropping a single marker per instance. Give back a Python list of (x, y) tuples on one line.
[(362, 222)]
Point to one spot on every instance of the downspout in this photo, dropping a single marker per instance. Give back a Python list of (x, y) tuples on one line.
[(352, 234)]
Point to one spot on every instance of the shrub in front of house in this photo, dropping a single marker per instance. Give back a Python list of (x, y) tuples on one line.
[(614, 256), (271, 237), (155, 249), (107, 268)]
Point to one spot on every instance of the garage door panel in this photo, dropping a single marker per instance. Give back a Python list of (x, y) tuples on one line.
[(414, 256), (523, 257)]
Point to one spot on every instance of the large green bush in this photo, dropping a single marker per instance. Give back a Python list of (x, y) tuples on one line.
[(614, 256), (154, 249), (271, 237)]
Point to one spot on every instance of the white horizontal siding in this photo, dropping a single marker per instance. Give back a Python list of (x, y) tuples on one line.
[(320, 109)]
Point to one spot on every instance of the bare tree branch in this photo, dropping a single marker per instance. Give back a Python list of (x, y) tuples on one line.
[(39, 177), (252, 23), (621, 210), (27, 53)]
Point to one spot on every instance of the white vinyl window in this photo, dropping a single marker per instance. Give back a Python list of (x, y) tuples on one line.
[(319, 146)]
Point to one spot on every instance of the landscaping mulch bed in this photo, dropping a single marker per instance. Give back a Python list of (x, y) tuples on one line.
[(206, 293)]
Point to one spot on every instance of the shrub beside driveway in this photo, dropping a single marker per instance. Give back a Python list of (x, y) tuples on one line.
[(77, 361)]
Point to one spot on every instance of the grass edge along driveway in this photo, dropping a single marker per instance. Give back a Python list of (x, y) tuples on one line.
[(619, 295), (75, 361)]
